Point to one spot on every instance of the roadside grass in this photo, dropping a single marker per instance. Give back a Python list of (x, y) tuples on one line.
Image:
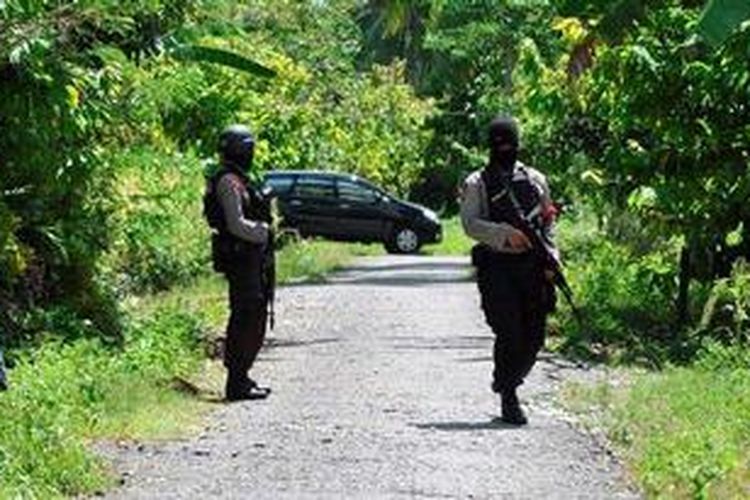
[(455, 241), (66, 396), (312, 260), (685, 431)]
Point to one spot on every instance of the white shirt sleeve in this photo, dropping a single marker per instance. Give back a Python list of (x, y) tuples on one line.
[(230, 191)]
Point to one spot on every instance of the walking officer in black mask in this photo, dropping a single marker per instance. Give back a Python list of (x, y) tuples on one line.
[(242, 244), (516, 289)]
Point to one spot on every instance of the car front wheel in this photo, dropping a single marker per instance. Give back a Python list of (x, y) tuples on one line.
[(404, 240)]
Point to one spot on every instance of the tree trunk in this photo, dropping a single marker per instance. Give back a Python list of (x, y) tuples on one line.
[(684, 287)]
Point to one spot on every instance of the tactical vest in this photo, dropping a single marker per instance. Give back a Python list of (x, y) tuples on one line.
[(526, 196), (255, 206), (229, 251), (500, 203), (501, 209)]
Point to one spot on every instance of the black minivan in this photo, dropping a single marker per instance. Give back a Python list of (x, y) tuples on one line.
[(345, 207)]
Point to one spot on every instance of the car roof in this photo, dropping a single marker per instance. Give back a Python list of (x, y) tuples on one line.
[(315, 173)]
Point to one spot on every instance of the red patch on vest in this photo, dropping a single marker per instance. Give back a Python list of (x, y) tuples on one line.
[(236, 184), (549, 213)]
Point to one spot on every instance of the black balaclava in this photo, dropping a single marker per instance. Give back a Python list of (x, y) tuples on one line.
[(503, 141)]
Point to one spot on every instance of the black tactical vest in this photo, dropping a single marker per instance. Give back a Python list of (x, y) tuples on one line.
[(256, 206), (500, 203), (230, 252)]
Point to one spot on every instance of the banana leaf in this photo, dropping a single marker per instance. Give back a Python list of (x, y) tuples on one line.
[(197, 53), (721, 18)]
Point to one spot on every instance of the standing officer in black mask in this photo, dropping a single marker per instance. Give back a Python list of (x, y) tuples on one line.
[(240, 218), (515, 288)]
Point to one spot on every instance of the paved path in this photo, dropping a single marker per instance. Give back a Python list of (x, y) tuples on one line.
[(381, 390)]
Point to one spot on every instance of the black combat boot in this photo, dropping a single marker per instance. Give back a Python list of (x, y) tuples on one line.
[(240, 388), (512, 412)]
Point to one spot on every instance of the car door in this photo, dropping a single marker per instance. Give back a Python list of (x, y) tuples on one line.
[(361, 212), (313, 202)]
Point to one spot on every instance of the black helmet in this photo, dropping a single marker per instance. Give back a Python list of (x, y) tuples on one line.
[(236, 146)]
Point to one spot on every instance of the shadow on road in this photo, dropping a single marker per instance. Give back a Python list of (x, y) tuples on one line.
[(478, 359), (410, 273), (457, 342), (494, 424), (409, 266), (274, 343)]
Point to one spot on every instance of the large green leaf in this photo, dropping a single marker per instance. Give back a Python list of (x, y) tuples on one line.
[(721, 17), (197, 53)]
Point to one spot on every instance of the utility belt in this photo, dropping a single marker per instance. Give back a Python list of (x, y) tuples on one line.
[(228, 251), (482, 256), (495, 266)]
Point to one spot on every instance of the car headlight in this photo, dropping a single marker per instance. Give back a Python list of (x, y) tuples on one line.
[(430, 215)]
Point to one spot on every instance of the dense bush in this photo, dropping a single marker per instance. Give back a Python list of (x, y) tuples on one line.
[(64, 394), (625, 297), (103, 136)]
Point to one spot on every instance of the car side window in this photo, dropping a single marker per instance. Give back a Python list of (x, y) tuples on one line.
[(351, 191), (280, 184), (314, 187)]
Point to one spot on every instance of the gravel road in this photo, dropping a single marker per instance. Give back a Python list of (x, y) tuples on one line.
[(381, 383)]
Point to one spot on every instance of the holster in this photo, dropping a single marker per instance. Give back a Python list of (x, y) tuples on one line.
[(480, 255), (227, 251)]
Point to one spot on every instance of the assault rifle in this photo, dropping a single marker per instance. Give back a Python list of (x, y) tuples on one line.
[(268, 271), (541, 250), (268, 279)]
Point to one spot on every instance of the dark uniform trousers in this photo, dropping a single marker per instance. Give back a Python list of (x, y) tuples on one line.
[(513, 294), (246, 329)]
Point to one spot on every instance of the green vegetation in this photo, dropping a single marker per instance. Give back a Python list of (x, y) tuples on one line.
[(313, 260), (684, 431), (637, 111), (455, 241), (67, 395)]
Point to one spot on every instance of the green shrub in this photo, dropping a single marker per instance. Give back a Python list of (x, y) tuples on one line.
[(626, 298), (63, 395), (455, 241), (726, 314), (161, 237)]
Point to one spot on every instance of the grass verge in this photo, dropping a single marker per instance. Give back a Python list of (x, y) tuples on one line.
[(312, 260), (455, 241), (684, 432), (66, 395)]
